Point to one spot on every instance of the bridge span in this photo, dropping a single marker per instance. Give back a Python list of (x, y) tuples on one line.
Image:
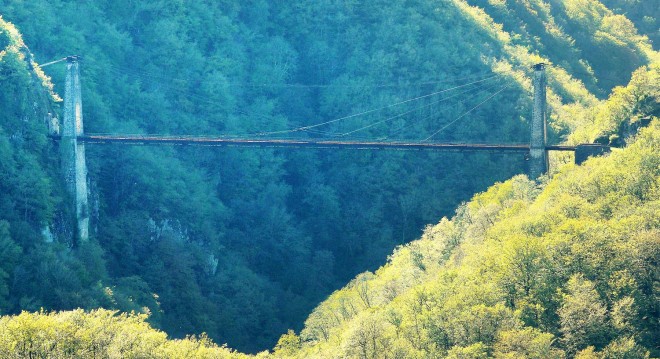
[(309, 143)]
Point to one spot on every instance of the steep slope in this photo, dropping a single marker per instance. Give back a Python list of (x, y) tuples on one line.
[(583, 36), (645, 15), (565, 268), (242, 244)]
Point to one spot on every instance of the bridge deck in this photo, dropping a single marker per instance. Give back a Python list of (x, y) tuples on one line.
[(251, 142)]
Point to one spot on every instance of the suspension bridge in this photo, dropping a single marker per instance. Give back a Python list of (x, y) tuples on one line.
[(72, 138), (303, 143)]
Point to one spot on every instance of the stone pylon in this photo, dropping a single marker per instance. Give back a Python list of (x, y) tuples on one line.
[(538, 156), (72, 151)]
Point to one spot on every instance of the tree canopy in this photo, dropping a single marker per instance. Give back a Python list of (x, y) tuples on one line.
[(242, 244)]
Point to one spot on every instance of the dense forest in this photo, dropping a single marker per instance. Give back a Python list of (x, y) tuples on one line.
[(567, 268), (242, 244)]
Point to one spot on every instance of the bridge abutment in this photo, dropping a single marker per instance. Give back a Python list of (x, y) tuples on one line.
[(73, 151)]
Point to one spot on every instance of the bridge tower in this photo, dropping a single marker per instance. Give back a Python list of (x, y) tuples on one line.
[(72, 151), (538, 161)]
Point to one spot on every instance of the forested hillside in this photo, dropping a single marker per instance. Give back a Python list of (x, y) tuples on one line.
[(243, 243), (644, 14), (565, 268)]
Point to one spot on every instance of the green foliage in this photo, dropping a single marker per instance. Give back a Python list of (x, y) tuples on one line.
[(241, 244), (583, 316), (526, 343), (96, 334), (644, 14), (288, 344), (474, 351), (9, 257), (625, 348), (625, 107), (564, 270)]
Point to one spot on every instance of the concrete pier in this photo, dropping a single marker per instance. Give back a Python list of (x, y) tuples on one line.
[(72, 150)]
